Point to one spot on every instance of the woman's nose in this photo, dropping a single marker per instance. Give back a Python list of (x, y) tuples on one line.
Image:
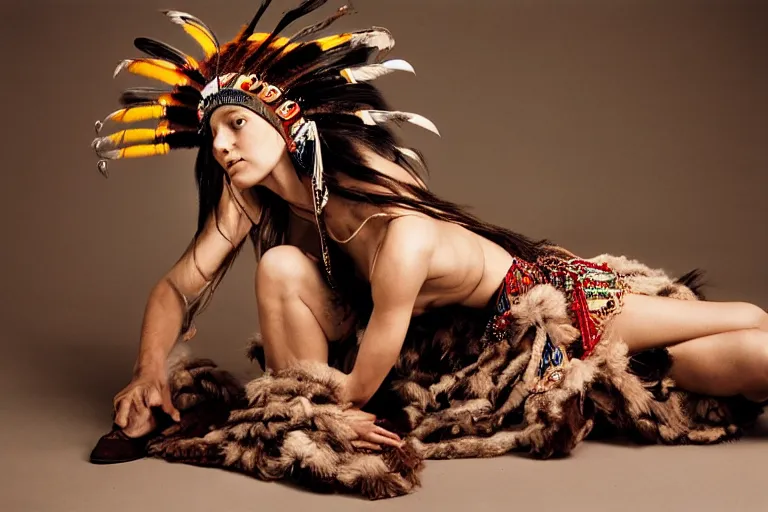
[(221, 144)]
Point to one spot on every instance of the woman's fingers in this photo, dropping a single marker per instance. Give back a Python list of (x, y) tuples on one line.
[(140, 420), (167, 405), (151, 397), (386, 433), (374, 437), (368, 433), (123, 409)]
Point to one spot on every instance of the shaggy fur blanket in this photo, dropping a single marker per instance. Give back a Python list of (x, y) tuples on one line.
[(452, 394)]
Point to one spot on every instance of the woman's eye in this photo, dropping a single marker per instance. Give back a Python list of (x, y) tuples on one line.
[(239, 122)]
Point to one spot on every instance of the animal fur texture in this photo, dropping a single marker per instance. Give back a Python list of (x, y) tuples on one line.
[(452, 394)]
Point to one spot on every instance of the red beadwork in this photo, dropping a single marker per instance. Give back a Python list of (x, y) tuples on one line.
[(573, 278)]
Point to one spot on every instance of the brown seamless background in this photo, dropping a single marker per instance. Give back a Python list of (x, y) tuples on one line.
[(628, 127)]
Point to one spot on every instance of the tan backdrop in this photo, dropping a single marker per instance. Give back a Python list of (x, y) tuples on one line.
[(628, 127)]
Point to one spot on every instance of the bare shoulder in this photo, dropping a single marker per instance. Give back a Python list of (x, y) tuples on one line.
[(403, 262), (409, 238), (416, 229)]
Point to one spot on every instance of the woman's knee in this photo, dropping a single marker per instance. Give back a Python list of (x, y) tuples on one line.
[(751, 316), (761, 317), (284, 270), (755, 353), (288, 278)]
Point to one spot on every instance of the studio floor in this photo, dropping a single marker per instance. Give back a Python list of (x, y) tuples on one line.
[(630, 128), (57, 404)]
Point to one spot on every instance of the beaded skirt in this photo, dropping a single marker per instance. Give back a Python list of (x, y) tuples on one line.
[(594, 293)]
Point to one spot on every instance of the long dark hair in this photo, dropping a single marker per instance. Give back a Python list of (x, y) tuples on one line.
[(211, 179), (312, 76), (341, 139)]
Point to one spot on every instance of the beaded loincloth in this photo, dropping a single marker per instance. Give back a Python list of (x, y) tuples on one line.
[(594, 294)]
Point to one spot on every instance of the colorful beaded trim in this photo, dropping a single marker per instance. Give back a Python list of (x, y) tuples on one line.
[(593, 291)]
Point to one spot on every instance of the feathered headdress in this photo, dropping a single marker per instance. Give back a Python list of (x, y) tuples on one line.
[(289, 81)]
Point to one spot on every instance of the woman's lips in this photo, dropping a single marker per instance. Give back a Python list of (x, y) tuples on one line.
[(233, 164)]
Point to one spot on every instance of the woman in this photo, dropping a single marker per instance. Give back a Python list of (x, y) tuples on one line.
[(291, 130)]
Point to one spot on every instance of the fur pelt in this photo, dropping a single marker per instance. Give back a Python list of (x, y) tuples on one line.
[(452, 394)]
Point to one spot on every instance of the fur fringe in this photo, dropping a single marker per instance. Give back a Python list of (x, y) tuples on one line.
[(452, 394)]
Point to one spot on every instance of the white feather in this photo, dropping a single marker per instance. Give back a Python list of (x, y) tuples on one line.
[(409, 153), (421, 167), (372, 117), (377, 37), (366, 117), (177, 16), (121, 66), (181, 17), (373, 71)]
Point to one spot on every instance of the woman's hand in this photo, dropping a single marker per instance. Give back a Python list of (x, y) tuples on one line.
[(370, 435), (133, 405)]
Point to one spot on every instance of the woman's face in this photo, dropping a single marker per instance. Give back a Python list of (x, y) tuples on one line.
[(245, 145)]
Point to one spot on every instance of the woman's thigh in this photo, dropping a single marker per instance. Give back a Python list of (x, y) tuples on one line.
[(725, 364), (647, 322), (286, 276)]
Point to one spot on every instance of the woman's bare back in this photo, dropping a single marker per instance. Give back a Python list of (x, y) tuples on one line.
[(465, 268)]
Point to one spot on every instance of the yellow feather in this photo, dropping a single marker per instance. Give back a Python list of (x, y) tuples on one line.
[(202, 37), (138, 135), (135, 114), (160, 63), (145, 150), (131, 136), (259, 37), (168, 99), (156, 69), (327, 43), (192, 62), (197, 29)]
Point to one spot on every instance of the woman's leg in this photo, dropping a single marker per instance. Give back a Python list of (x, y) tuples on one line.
[(298, 312), (718, 348), (651, 322), (726, 364)]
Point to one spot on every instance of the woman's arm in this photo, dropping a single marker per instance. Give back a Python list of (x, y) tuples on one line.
[(190, 276), (164, 314), (401, 269)]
